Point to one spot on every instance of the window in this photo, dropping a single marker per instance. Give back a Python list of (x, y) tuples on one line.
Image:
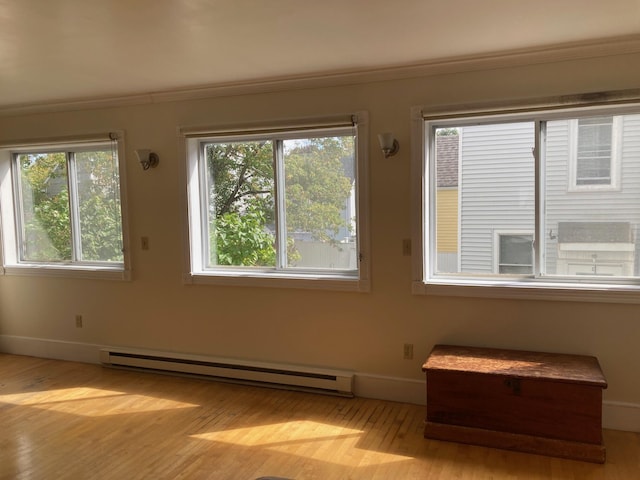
[(594, 154), (536, 199), (278, 206), (67, 208), (514, 253)]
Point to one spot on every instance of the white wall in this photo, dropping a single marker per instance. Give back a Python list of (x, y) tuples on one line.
[(362, 332)]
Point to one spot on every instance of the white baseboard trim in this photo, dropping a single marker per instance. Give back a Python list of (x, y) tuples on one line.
[(55, 349), (616, 415), (390, 388), (621, 416)]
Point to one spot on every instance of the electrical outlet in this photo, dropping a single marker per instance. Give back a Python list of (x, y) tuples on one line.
[(144, 243), (78, 321), (408, 351)]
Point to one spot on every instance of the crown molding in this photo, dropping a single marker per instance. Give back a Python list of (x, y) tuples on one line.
[(496, 60)]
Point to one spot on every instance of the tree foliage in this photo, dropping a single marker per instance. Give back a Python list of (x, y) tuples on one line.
[(447, 132), (47, 213), (243, 240), (242, 175), (100, 207), (317, 186), (45, 206)]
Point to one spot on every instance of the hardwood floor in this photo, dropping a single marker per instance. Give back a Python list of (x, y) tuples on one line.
[(64, 420)]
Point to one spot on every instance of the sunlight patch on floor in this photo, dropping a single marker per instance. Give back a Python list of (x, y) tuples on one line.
[(92, 402), (319, 441)]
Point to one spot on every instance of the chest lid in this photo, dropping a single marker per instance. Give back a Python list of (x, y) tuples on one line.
[(517, 364)]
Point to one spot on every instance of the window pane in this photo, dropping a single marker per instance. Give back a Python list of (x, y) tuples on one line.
[(240, 209), (44, 203), (484, 183), (100, 219), (593, 164), (592, 232), (320, 202)]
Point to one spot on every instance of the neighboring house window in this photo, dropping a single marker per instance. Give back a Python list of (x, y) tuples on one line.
[(523, 218), (514, 253), (595, 152), (67, 214), (278, 206)]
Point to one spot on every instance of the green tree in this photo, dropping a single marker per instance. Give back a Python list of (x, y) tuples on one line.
[(243, 240), (99, 206), (447, 132), (242, 175), (46, 206), (241, 203), (317, 184)]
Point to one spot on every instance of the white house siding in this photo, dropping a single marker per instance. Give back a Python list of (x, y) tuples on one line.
[(563, 204), (496, 189), (631, 172), (556, 185)]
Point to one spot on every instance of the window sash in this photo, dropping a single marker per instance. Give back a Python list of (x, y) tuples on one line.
[(277, 137), (539, 117), (71, 180)]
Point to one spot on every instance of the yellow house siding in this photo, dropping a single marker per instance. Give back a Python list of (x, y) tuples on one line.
[(447, 215)]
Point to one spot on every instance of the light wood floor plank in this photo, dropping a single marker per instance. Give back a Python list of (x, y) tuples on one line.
[(64, 420)]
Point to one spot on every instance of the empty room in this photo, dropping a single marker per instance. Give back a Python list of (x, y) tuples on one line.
[(246, 239)]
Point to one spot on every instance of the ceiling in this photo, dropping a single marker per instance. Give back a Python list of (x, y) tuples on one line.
[(66, 50)]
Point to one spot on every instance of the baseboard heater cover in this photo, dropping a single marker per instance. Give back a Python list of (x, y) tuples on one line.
[(268, 374)]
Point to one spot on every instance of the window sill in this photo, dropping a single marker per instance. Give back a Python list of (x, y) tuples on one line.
[(69, 271), (528, 291), (307, 281)]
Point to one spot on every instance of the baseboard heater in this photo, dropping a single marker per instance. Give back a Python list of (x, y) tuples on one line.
[(334, 382)]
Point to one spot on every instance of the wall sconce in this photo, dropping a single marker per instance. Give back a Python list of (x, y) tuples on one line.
[(388, 144), (147, 158)]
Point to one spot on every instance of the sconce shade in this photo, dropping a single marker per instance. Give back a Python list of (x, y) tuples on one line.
[(388, 144)]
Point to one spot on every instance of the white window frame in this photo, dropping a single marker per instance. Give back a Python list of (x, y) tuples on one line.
[(191, 139), (424, 118), (9, 211), (616, 158)]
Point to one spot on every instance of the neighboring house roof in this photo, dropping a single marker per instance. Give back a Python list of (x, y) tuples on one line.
[(447, 160)]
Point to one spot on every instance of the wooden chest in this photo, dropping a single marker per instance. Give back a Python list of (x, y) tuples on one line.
[(542, 403)]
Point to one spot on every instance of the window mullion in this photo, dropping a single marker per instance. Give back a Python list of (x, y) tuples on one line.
[(280, 213), (74, 207)]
